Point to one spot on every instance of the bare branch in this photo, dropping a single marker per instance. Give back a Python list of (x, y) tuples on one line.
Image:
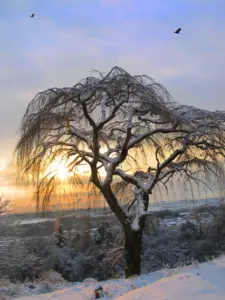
[(114, 121)]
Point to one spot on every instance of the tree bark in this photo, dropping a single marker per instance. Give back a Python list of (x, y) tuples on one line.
[(133, 242), (133, 238), (132, 251)]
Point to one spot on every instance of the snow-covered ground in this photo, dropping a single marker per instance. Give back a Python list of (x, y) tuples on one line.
[(32, 221), (182, 204), (176, 205), (197, 282), (164, 222)]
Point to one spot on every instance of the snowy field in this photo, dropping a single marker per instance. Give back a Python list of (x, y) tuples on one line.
[(32, 221), (197, 282), (176, 205), (205, 282)]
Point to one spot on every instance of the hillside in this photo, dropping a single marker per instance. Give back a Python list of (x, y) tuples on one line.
[(197, 282)]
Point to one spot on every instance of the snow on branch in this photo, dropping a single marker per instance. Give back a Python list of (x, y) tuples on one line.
[(140, 209), (103, 106)]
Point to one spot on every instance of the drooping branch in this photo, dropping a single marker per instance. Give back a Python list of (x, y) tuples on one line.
[(103, 121)]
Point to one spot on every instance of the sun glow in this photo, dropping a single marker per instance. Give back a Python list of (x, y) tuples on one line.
[(3, 164), (62, 172)]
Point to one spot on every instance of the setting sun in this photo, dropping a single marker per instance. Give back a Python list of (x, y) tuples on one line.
[(59, 168)]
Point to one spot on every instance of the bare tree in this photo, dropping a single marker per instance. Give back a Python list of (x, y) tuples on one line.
[(4, 205), (113, 123)]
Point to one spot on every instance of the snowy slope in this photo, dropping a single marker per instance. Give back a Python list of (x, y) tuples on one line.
[(203, 282), (177, 287)]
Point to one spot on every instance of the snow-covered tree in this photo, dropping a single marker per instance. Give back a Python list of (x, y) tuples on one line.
[(113, 123)]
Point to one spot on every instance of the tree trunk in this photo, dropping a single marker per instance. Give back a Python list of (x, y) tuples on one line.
[(133, 238), (132, 251)]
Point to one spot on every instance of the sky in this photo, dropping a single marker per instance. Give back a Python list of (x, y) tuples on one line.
[(67, 39)]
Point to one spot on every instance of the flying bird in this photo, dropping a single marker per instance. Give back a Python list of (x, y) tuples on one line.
[(177, 31), (32, 16)]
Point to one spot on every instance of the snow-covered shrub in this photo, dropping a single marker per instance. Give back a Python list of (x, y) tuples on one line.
[(16, 262), (183, 244), (112, 263), (188, 231), (160, 251), (84, 258), (103, 234), (9, 290)]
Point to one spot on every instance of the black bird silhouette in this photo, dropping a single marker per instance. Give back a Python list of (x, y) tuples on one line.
[(32, 16), (177, 31)]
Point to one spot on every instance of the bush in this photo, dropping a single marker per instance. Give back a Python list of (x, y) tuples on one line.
[(17, 263), (98, 252), (188, 231), (184, 245), (95, 255)]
